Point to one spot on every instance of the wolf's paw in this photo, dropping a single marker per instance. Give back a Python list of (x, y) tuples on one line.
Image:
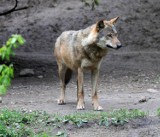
[(61, 102), (80, 106), (98, 108)]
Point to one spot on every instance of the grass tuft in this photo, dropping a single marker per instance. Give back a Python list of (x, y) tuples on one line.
[(16, 123), (40, 124), (115, 117)]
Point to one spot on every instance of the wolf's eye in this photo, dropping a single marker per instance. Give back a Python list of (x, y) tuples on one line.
[(109, 35)]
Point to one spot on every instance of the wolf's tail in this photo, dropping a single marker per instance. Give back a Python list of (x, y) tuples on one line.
[(68, 76)]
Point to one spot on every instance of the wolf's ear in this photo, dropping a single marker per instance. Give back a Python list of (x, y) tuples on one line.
[(100, 25), (114, 20)]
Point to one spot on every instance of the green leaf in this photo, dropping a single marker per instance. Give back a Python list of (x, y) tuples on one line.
[(3, 56), (96, 2), (79, 123), (3, 52), (101, 122), (60, 133), (84, 121), (11, 72), (8, 43), (65, 121), (15, 45), (14, 39), (8, 52), (3, 89), (1, 68), (6, 81), (106, 123), (21, 40)]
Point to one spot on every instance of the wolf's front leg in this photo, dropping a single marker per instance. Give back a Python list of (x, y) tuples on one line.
[(80, 92), (94, 82), (62, 71)]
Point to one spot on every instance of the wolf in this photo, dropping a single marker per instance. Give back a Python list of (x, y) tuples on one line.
[(84, 50)]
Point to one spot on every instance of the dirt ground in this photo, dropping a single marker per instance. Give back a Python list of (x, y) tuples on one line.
[(127, 75)]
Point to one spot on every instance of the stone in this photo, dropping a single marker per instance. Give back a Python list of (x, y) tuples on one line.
[(143, 99), (40, 76), (26, 72), (152, 90)]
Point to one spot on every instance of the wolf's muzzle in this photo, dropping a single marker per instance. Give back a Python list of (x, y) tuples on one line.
[(119, 46), (109, 46)]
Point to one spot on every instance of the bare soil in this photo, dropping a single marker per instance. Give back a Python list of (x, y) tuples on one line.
[(127, 75)]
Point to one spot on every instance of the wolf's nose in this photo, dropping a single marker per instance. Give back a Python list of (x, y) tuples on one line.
[(119, 46)]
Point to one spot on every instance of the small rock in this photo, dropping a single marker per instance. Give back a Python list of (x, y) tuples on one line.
[(143, 99), (30, 111), (152, 90), (26, 72), (40, 76)]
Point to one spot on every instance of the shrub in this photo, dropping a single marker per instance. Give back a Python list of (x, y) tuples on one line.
[(7, 71)]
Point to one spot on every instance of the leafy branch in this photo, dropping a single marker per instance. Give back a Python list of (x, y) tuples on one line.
[(7, 71)]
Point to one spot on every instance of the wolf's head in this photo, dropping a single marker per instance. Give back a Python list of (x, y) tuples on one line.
[(107, 34)]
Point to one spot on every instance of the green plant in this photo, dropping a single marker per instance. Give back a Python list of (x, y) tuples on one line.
[(40, 124), (16, 123), (12, 124), (6, 51), (61, 134), (115, 117), (120, 117), (73, 119)]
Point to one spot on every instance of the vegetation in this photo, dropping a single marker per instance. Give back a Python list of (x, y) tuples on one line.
[(6, 71), (115, 117), (18, 124), (40, 124)]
